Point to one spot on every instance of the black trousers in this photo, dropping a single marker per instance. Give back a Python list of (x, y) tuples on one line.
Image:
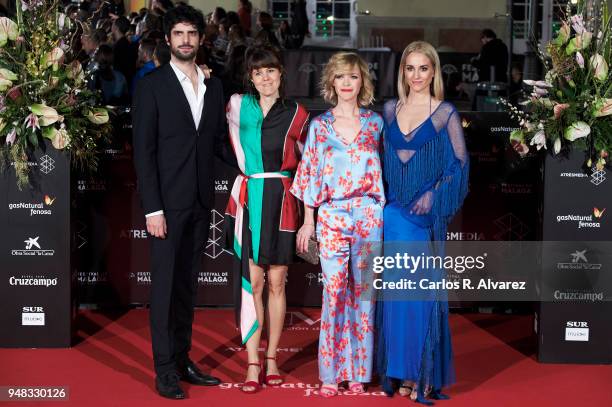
[(175, 262)]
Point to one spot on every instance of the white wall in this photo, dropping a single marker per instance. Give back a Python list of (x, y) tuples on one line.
[(395, 8), (207, 6), (434, 8)]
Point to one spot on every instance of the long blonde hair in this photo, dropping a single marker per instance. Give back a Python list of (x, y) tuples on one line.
[(429, 51)]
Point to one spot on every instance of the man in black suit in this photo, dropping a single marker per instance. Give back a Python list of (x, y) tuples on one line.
[(124, 53), (493, 53), (179, 124)]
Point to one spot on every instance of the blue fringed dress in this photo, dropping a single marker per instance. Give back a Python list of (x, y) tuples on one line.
[(430, 163)]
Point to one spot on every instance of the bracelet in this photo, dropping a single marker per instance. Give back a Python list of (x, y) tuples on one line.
[(308, 224)]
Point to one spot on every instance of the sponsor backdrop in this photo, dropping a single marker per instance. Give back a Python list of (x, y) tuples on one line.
[(574, 322), (112, 242), (110, 255), (35, 256)]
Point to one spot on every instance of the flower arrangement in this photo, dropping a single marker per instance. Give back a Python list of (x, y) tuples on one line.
[(43, 90), (573, 104)]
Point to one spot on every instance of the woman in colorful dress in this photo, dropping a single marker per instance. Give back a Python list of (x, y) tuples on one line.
[(264, 131), (426, 174), (340, 174)]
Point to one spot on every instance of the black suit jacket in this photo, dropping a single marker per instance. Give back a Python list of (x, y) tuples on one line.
[(493, 53), (174, 159), (124, 58)]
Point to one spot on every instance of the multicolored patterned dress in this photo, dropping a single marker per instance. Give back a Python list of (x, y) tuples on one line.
[(260, 204), (345, 182)]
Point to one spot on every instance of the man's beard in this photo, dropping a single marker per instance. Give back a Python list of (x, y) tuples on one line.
[(183, 57)]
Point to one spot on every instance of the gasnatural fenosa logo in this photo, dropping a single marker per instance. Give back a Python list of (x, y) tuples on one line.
[(584, 221), (42, 208)]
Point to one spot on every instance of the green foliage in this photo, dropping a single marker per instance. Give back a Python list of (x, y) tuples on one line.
[(43, 90)]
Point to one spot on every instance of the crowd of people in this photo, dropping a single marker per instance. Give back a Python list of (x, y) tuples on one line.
[(117, 48), (299, 179)]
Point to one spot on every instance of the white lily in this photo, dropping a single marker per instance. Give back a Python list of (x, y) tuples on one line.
[(31, 122), (577, 23), (557, 145), (539, 84), (580, 60), (539, 140), (61, 20), (10, 138)]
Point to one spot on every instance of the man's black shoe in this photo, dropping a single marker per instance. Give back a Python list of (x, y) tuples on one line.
[(168, 386), (191, 374)]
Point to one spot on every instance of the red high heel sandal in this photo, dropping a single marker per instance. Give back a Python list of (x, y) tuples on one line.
[(273, 377), (256, 385)]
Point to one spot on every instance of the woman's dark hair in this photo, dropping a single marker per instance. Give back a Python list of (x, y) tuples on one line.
[(266, 21), (153, 22), (162, 53), (154, 35), (184, 14), (122, 24), (235, 32), (488, 33), (167, 4), (219, 13), (262, 56), (235, 65), (232, 18), (266, 37), (248, 6)]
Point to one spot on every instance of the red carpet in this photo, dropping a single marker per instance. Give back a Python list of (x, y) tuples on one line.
[(112, 366)]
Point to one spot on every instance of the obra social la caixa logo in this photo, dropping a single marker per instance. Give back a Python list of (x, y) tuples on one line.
[(579, 261), (40, 208), (32, 316), (33, 247), (593, 220)]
